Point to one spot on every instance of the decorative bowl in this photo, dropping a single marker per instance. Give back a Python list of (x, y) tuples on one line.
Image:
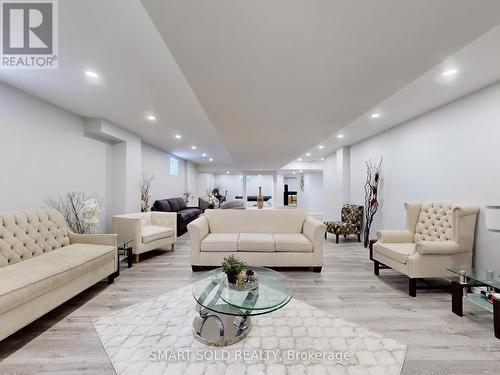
[(241, 288)]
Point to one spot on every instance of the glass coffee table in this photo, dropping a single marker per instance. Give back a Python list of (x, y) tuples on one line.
[(461, 290), (224, 314)]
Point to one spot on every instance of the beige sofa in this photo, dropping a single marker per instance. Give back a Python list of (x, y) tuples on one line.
[(275, 238), (147, 230), (43, 264), (438, 236)]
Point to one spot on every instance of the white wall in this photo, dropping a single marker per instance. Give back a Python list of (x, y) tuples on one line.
[(47, 152), (205, 183), (157, 162), (44, 154), (330, 178), (312, 198), (451, 154), (231, 182), (254, 181)]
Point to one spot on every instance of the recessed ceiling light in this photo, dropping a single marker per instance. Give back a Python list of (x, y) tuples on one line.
[(450, 72), (178, 136), (151, 117), (260, 175), (91, 74), (308, 154), (193, 147), (375, 115), (227, 172), (299, 159), (301, 171), (322, 158), (321, 147), (204, 155), (340, 135), (293, 172), (210, 159)]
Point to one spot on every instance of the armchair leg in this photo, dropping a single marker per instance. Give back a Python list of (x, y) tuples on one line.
[(376, 267), (173, 247), (412, 287), (111, 278), (137, 258), (336, 238), (359, 237), (326, 234)]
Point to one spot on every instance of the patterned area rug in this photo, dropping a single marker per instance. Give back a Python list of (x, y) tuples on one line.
[(155, 337)]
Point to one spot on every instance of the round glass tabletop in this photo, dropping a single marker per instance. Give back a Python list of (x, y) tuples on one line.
[(273, 292)]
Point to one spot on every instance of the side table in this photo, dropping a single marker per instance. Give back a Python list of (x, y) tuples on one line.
[(124, 251), (461, 290)]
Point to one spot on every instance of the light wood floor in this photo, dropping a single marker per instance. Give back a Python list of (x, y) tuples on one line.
[(64, 341)]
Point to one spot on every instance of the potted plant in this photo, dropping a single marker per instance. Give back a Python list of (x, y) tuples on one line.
[(232, 267)]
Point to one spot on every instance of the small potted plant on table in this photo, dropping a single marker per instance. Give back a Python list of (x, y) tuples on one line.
[(239, 277)]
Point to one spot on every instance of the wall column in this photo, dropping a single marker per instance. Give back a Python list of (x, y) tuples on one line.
[(336, 181)]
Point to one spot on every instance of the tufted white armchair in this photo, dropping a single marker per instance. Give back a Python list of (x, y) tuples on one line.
[(438, 236)]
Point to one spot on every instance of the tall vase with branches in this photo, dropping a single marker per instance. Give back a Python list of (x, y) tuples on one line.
[(145, 192), (373, 174)]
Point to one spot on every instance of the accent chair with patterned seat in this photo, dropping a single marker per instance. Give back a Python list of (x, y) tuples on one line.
[(351, 219), (438, 236)]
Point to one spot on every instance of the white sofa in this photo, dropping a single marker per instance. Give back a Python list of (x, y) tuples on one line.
[(43, 264), (438, 236), (147, 230), (268, 237)]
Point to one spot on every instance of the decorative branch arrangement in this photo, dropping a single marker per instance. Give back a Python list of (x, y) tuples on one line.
[(373, 172), (145, 189), (81, 211), (216, 192), (187, 196)]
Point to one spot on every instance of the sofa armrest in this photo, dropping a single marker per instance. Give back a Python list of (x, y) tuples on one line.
[(198, 229), (95, 239), (437, 247), (128, 228), (394, 236), (315, 231), (165, 219)]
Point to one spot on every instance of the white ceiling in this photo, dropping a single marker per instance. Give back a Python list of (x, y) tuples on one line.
[(477, 64), (278, 76), (255, 83), (118, 40)]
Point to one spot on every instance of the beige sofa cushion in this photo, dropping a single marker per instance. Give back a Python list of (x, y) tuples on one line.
[(33, 277), (152, 233), (256, 221), (220, 242), (292, 243), (397, 251), (259, 242)]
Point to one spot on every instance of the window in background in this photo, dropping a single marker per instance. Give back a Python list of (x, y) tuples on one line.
[(174, 167)]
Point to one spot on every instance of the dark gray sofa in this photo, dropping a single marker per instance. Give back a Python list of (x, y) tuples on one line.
[(185, 214)]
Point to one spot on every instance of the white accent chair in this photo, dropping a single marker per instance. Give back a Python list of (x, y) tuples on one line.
[(147, 230), (268, 237), (439, 236)]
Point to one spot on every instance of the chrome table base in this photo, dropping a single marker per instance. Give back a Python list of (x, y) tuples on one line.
[(219, 329)]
